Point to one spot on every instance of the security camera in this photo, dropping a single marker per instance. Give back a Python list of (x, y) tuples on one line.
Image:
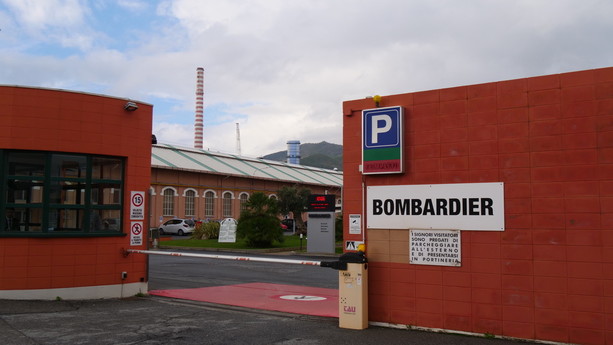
[(130, 106)]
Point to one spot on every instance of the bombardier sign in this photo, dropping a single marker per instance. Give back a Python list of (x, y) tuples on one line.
[(462, 206)]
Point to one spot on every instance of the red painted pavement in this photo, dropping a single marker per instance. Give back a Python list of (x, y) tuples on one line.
[(263, 296)]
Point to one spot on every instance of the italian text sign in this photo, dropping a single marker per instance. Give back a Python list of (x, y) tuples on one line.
[(137, 205), (436, 247)]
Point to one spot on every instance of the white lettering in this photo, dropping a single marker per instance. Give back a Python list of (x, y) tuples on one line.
[(376, 130)]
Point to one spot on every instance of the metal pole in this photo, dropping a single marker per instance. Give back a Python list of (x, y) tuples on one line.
[(225, 257)]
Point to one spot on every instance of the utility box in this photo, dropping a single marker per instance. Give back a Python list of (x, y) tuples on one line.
[(352, 289), (353, 296), (320, 232)]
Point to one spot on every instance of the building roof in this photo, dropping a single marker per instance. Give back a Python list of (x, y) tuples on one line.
[(164, 156)]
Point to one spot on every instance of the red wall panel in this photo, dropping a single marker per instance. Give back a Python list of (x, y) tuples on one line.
[(547, 276), (56, 120)]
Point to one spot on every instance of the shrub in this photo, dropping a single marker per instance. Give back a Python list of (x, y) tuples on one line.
[(206, 231), (259, 224)]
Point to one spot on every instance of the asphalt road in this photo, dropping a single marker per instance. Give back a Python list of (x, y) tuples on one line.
[(155, 320), (177, 272)]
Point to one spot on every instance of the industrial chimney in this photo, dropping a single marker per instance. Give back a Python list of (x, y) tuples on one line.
[(198, 124), (293, 152)]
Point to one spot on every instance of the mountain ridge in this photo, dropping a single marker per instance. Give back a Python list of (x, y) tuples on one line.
[(323, 155)]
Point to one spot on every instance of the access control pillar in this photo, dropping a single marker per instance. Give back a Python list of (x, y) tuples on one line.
[(352, 290)]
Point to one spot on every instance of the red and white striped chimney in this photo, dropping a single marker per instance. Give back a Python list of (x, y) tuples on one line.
[(198, 125)]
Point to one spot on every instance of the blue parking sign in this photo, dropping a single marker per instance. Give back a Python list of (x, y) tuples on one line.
[(382, 140)]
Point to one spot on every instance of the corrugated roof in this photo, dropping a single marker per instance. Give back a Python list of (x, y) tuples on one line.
[(166, 156)]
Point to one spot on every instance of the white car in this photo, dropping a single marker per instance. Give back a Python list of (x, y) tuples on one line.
[(177, 226)]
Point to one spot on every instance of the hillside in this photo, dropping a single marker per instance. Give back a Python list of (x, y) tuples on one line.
[(321, 155)]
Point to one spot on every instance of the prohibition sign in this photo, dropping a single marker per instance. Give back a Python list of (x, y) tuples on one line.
[(137, 199), (137, 228)]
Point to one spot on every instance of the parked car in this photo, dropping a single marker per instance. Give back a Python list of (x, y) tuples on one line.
[(177, 226)]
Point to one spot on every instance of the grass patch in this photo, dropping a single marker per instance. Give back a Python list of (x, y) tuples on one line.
[(290, 242)]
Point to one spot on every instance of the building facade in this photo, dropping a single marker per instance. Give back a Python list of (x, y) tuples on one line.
[(199, 184), (71, 164), (546, 272)]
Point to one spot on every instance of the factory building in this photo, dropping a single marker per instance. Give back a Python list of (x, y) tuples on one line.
[(200, 184)]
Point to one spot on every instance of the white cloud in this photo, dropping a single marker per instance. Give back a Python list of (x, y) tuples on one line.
[(59, 21), (282, 69)]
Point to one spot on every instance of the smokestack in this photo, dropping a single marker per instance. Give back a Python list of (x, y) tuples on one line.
[(293, 152), (238, 140), (198, 125)]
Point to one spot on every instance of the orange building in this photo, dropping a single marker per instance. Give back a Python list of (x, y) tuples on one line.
[(544, 269), (75, 169)]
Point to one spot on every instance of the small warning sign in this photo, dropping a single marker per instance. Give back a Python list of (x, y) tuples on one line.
[(436, 247), (137, 205), (136, 233), (355, 224), (352, 245)]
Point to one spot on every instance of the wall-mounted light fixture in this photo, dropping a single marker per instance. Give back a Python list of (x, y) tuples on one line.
[(130, 106), (377, 100)]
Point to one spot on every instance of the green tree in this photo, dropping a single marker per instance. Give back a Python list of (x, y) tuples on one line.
[(294, 199), (259, 223)]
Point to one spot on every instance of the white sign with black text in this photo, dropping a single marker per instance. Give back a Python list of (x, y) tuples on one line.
[(463, 206), (136, 233), (355, 224), (137, 205), (435, 247)]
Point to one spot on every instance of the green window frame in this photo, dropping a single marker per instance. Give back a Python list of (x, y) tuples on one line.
[(57, 194)]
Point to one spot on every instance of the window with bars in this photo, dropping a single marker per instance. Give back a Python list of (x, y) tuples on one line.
[(243, 199), (190, 197), (227, 204), (209, 204), (168, 203), (58, 194)]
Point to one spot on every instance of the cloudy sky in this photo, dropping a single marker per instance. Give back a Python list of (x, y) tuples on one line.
[(281, 69)]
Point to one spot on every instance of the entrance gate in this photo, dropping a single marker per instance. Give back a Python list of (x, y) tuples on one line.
[(353, 280)]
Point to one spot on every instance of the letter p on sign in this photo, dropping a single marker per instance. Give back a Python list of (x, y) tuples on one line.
[(376, 130)]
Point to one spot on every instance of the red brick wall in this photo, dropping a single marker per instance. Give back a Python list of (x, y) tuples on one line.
[(548, 275), (201, 182), (55, 120)]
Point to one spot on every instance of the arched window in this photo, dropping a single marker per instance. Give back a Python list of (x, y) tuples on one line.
[(168, 204), (190, 196), (209, 204), (243, 199), (227, 204)]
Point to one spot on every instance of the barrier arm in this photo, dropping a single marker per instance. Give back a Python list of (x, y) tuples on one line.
[(127, 252)]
